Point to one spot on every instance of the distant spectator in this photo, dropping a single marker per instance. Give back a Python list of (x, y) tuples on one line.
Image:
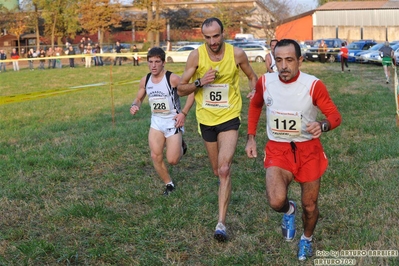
[(50, 53), (71, 52), (135, 56), (88, 55), (15, 57), (3, 56), (94, 53), (42, 54), (89, 41), (31, 54), (344, 56), (98, 59), (82, 50), (322, 51), (118, 50), (58, 53), (22, 54)]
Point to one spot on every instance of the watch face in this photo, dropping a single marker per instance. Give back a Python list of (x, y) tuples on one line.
[(324, 127), (197, 83)]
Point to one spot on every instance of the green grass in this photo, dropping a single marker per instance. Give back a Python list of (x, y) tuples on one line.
[(78, 186)]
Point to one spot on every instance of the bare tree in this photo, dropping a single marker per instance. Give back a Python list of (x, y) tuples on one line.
[(279, 10)]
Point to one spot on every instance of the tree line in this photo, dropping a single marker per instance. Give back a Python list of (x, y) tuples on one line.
[(56, 19)]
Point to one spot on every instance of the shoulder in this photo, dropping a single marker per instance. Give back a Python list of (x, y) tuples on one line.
[(239, 54), (174, 79), (143, 81), (193, 58), (237, 50)]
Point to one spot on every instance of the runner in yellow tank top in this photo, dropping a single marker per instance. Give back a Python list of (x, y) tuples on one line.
[(214, 68), (219, 101)]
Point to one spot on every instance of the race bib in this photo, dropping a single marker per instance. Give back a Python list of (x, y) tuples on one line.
[(159, 105), (285, 123), (215, 96)]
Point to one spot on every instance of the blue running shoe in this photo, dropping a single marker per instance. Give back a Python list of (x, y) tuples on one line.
[(220, 233), (288, 225), (304, 249)]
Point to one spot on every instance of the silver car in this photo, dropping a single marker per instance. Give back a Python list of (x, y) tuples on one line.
[(181, 54), (255, 52), (372, 55)]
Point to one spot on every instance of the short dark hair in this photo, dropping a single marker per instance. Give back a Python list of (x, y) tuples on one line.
[(156, 52), (207, 22), (286, 42), (273, 40)]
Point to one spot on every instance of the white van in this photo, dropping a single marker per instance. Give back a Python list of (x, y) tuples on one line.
[(245, 36)]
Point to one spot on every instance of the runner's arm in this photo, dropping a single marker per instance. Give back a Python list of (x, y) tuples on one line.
[(322, 100), (242, 60), (139, 97)]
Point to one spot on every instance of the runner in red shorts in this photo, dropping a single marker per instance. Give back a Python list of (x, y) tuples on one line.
[(294, 152)]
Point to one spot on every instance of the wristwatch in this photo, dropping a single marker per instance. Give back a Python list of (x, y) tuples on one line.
[(197, 83), (324, 126)]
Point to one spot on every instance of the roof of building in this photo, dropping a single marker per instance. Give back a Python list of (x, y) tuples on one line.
[(358, 5)]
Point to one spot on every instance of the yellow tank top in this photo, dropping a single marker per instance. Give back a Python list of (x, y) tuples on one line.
[(220, 101)]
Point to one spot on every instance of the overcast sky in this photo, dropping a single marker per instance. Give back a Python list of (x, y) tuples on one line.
[(310, 4)]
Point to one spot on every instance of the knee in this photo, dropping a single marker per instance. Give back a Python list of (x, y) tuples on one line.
[(156, 157), (277, 203), (310, 208), (224, 170), (173, 161)]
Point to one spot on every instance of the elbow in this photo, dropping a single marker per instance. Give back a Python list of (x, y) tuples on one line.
[(180, 92)]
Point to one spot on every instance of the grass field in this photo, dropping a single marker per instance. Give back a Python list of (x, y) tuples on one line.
[(78, 186)]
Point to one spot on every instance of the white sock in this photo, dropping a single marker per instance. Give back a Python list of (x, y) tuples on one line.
[(170, 183), (303, 237)]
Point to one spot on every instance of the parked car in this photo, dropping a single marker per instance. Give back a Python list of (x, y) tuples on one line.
[(181, 54), (304, 49), (333, 48), (396, 55), (255, 52), (355, 48), (363, 57), (371, 55), (376, 56)]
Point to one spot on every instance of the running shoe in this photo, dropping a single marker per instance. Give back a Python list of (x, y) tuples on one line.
[(288, 224), (220, 233), (168, 189), (304, 249)]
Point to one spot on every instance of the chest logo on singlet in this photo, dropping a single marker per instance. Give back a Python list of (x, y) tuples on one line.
[(269, 101)]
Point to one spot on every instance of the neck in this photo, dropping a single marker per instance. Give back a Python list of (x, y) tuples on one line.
[(216, 56)]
